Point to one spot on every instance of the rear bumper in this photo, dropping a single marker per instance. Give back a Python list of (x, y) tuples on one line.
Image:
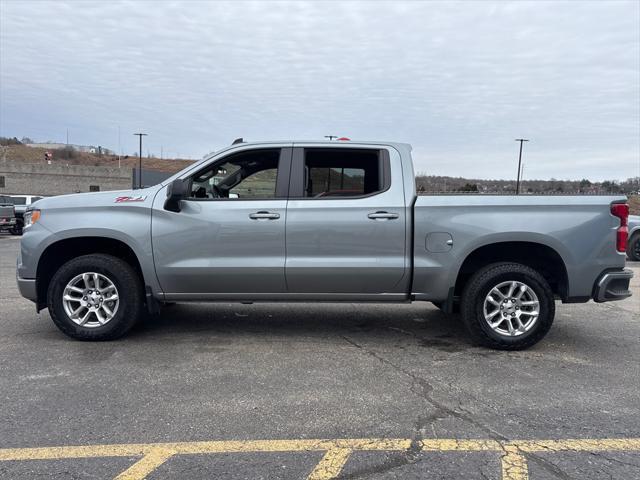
[(613, 285)]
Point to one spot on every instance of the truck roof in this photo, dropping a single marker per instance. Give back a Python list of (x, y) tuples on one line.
[(242, 143)]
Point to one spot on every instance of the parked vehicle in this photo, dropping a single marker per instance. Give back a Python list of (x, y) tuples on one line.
[(265, 222), (633, 247), (7, 215), (21, 203)]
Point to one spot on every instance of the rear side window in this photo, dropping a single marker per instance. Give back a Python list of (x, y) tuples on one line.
[(331, 173), (19, 200)]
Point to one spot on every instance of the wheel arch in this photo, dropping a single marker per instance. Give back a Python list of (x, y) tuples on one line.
[(539, 256), (61, 251)]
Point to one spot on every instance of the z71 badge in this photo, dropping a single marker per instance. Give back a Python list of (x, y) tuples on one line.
[(139, 198)]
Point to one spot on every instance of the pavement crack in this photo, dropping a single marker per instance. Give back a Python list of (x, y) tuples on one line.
[(424, 389)]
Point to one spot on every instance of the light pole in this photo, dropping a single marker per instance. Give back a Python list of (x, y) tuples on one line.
[(140, 135), (521, 140)]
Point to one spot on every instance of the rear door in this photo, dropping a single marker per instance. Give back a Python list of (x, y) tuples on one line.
[(346, 222), (228, 240)]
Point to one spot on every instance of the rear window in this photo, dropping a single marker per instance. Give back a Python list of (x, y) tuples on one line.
[(342, 173)]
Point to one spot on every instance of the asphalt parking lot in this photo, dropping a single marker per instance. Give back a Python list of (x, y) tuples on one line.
[(317, 391)]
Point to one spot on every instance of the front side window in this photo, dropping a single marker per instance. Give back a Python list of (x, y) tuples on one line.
[(342, 173), (245, 175)]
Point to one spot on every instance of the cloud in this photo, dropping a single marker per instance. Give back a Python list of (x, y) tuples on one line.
[(458, 80)]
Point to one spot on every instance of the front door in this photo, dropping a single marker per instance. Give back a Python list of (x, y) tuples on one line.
[(229, 237), (346, 223)]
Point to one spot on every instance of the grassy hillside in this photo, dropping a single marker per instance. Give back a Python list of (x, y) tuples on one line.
[(71, 157)]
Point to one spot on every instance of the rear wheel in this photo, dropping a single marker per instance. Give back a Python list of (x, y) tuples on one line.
[(507, 306), (95, 297), (633, 249)]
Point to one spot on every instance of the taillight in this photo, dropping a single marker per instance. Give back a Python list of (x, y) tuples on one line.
[(621, 210)]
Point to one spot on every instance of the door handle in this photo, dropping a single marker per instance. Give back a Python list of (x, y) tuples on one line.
[(264, 216), (383, 216)]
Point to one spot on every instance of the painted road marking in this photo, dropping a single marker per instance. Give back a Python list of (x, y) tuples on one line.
[(336, 452)]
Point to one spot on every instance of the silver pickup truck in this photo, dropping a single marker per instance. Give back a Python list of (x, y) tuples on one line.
[(317, 222)]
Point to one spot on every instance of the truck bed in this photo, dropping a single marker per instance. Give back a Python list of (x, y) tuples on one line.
[(565, 224)]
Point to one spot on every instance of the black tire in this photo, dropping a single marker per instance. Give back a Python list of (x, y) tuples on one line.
[(476, 291), (121, 274), (17, 230), (633, 248)]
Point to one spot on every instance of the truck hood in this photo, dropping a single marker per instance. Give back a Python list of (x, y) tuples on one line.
[(100, 199)]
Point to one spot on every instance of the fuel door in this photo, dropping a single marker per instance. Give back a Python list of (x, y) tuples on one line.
[(439, 242)]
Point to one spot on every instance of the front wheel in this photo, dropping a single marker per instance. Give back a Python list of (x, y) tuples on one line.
[(95, 297), (17, 230), (507, 306)]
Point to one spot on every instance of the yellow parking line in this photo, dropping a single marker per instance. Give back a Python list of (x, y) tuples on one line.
[(331, 464), (450, 445), (146, 464), (581, 445), (337, 452), (54, 453), (514, 465)]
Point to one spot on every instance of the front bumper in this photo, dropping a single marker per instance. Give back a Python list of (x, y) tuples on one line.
[(7, 223), (27, 287), (613, 285)]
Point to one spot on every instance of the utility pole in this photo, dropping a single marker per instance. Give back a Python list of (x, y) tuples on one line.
[(521, 140), (119, 148), (140, 135), (67, 137)]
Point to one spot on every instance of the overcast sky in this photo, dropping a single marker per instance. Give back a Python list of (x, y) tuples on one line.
[(458, 80)]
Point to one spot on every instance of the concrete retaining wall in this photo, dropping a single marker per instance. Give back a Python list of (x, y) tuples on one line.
[(59, 179)]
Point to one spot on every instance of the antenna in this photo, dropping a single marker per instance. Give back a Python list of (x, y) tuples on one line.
[(237, 140)]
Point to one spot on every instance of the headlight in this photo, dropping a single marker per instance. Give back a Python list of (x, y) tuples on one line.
[(31, 217)]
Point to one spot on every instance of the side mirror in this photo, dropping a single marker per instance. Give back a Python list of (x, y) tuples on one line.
[(176, 191)]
